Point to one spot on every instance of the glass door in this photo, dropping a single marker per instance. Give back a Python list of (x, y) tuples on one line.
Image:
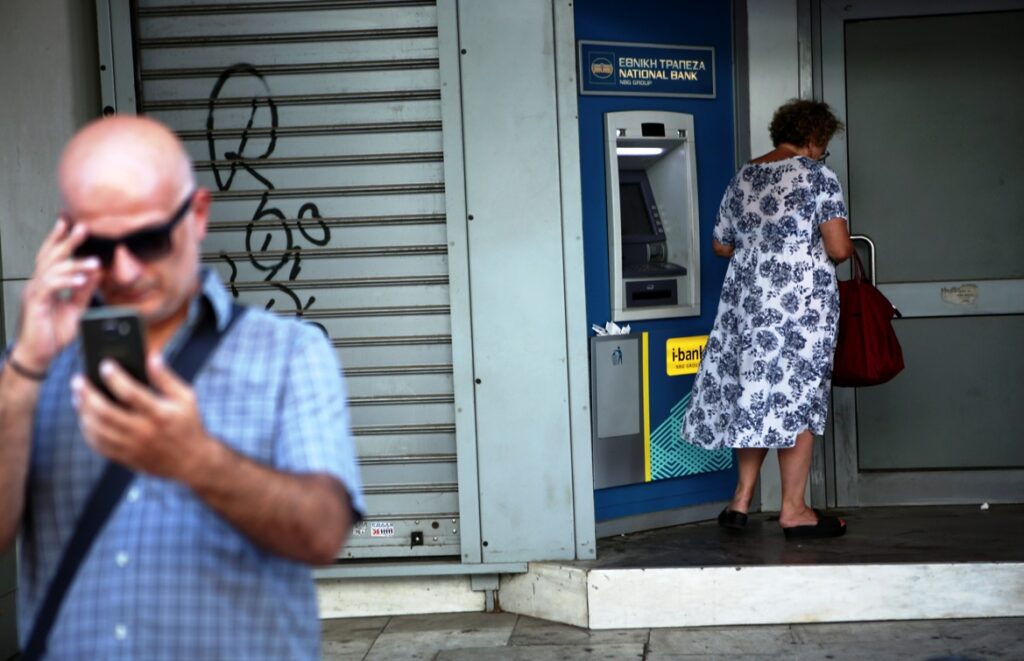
[(933, 97)]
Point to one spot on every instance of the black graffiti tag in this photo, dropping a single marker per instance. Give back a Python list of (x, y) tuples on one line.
[(265, 257), (237, 157)]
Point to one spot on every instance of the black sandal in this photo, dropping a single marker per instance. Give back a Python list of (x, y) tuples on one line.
[(732, 520), (827, 526)]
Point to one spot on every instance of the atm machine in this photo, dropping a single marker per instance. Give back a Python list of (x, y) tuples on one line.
[(653, 236), (654, 255)]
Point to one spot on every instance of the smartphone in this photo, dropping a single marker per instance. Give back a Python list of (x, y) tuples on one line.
[(116, 333)]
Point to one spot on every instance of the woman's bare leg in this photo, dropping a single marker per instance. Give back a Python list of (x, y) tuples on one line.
[(794, 468), (748, 461)]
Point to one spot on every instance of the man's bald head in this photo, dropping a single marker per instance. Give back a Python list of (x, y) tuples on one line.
[(115, 163), (122, 177)]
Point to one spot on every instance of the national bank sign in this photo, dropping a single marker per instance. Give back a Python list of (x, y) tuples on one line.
[(615, 68)]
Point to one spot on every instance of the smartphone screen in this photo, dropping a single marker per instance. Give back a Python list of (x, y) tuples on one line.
[(115, 333)]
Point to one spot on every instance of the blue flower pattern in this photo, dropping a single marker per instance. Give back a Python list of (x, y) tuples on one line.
[(767, 367)]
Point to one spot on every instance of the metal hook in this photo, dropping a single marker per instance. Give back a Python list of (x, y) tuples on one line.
[(871, 254)]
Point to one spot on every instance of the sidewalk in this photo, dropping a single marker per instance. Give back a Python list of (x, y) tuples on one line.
[(506, 636)]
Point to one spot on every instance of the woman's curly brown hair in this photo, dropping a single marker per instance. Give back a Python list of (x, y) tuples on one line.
[(800, 122)]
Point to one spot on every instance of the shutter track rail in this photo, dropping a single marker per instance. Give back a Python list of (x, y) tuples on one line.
[(386, 489), (274, 7), (337, 221), (326, 161), (397, 340), (268, 70), (321, 129), (217, 40), (323, 253), (336, 98), (348, 283), (402, 400), (398, 370)]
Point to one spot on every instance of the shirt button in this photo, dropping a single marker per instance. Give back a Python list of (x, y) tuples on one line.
[(120, 632), (121, 559), (133, 495)]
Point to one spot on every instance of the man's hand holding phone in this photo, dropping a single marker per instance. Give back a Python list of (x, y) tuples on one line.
[(155, 430)]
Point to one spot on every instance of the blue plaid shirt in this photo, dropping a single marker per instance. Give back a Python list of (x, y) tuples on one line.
[(167, 578)]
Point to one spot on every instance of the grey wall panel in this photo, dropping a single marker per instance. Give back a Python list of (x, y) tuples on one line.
[(516, 270), (347, 193)]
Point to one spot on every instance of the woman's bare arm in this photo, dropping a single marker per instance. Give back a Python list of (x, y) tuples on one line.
[(837, 240)]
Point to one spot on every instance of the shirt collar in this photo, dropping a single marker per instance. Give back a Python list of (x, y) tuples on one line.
[(212, 291), (212, 300)]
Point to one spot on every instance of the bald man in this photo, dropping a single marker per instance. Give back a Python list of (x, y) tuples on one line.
[(245, 477)]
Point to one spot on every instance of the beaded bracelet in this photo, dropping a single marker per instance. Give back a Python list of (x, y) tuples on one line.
[(30, 374)]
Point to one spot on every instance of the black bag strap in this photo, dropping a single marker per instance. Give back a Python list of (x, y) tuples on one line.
[(107, 492)]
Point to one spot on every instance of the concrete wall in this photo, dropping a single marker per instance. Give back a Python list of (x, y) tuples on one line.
[(51, 87), (774, 64)]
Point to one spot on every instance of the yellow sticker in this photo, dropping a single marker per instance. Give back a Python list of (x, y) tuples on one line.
[(683, 354)]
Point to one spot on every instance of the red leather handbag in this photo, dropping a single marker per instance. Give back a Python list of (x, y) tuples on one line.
[(868, 352)]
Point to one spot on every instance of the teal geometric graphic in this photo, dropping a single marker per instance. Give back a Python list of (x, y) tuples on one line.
[(671, 456)]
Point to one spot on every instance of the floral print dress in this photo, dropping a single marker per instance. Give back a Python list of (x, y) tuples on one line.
[(767, 368)]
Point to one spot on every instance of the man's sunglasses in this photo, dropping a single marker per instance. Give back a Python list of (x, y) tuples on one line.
[(146, 245)]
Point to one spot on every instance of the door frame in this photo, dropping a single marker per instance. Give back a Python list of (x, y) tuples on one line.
[(846, 486)]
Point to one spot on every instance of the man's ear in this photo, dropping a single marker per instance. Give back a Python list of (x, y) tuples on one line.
[(200, 212)]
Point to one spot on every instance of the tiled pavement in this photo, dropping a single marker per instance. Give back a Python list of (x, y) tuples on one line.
[(493, 636)]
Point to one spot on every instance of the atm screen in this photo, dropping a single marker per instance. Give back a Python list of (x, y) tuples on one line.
[(635, 220), (635, 214)]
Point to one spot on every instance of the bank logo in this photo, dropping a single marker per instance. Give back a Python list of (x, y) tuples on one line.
[(601, 68)]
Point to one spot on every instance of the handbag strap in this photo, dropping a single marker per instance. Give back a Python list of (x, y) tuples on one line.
[(107, 492), (858, 271)]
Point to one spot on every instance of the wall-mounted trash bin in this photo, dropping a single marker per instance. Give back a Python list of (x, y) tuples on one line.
[(616, 398)]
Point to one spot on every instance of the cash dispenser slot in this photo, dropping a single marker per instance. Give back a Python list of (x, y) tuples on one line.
[(647, 293)]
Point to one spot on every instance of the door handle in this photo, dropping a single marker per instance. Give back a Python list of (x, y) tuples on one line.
[(871, 254)]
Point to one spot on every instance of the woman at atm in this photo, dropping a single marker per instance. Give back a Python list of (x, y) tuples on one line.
[(766, 373)]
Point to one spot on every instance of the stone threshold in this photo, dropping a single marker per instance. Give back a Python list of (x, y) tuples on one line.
[(626, 598)]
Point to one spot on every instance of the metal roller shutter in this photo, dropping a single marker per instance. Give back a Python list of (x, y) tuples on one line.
[(318, 126)]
